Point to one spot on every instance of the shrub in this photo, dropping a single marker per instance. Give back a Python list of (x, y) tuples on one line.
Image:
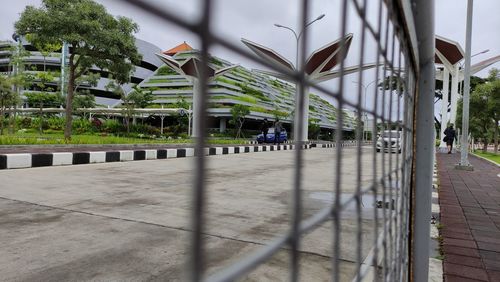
[(144, 129), (55, 123), (26, 122), (82, 126), (35, 123), (112, 126), (165, 70)]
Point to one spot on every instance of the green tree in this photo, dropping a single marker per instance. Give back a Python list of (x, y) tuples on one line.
[(182, 120), (137, 98), (95, 38), (393, 83), (18, 77), (238, 113), (484, 110), (84, 101), (492, 92), (8, 98), (314, 128), (46, 96), (45, 48), (83, 98)]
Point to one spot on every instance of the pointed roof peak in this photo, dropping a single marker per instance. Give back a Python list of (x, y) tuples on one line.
[(179, 48)]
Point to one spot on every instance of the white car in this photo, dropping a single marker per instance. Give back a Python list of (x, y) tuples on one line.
[(390, 141)]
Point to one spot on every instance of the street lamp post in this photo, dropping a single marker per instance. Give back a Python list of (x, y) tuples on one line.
[(460, 87), (297, 36), (365, 138), (303, 136), (464, 161)]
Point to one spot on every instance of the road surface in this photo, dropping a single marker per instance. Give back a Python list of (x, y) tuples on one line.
[(130, 221)]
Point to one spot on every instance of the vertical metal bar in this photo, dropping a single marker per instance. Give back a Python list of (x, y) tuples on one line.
[(300, 110), (409, 157), (385, 121), (196, 260), (336, 211), (360, 138), (399, 187), (464, 147), (391, 154), (408, 153), (423, 12), (375, 156)]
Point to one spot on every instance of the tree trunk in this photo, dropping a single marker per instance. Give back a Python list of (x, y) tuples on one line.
[(129, 115), (495, 137), (12, 117), (69, 100), (41, 118), (1, 119), (485, 145)]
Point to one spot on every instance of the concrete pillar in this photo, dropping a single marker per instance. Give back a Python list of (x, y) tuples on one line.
[(454, 93), (196, 105), (305, 120), (222, 125), (444, 105)]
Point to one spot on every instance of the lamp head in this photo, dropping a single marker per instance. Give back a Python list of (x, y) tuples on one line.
[(320, 17)]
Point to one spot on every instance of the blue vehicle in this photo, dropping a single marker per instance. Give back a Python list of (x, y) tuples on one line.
[(270, 136)]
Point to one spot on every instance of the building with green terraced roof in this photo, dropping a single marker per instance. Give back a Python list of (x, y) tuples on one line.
[(266, 96)]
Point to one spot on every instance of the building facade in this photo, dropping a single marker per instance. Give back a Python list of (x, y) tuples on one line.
[(266, 96)]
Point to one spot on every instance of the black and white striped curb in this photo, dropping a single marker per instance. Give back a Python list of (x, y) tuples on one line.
[(26, 160), (342, 144), (255, 142)]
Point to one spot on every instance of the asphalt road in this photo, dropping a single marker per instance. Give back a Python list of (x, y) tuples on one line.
[(130, 221)]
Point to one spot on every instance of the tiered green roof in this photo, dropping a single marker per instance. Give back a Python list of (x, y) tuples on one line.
[(265, 95)]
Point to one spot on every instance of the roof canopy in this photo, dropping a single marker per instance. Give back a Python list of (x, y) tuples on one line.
[(449, 50), (319, 63), (328, 56), (179, 48)]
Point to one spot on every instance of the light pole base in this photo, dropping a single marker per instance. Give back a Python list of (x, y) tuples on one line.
[(464, 167)]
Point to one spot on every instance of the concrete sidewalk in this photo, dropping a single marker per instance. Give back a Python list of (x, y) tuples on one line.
[(470, 218)]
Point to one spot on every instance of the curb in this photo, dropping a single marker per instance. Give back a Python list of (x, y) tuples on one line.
[(26, 160), (435, 258), (478, 156)]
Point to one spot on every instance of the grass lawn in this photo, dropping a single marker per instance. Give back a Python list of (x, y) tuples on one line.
[(489, 156), (58, 138)]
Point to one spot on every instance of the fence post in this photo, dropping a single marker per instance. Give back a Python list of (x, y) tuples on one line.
[(423, 13)]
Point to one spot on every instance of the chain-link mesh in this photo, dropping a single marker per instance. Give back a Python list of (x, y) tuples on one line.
[(387, 37)]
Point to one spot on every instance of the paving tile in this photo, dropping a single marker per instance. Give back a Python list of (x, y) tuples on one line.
[(488, 246), (481, 233), (449, 249), (495, 240), (471, 246), (460, 243), (488, 228), (494, 275), (453, 278), (456, 230), (456, 235), (465, 271), (463, 260), (492, 264)]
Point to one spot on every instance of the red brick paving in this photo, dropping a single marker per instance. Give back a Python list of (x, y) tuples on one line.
[(470, 215)]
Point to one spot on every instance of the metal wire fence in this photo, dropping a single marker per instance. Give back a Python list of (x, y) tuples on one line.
[(391, 33)]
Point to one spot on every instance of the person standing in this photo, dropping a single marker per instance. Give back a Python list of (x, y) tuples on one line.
[(278, 127), (264, 128), (449, 136)]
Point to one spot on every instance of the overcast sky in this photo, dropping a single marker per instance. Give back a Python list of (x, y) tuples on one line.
[(255, 20)]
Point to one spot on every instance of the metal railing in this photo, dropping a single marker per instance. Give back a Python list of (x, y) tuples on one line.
[(399, 31)]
